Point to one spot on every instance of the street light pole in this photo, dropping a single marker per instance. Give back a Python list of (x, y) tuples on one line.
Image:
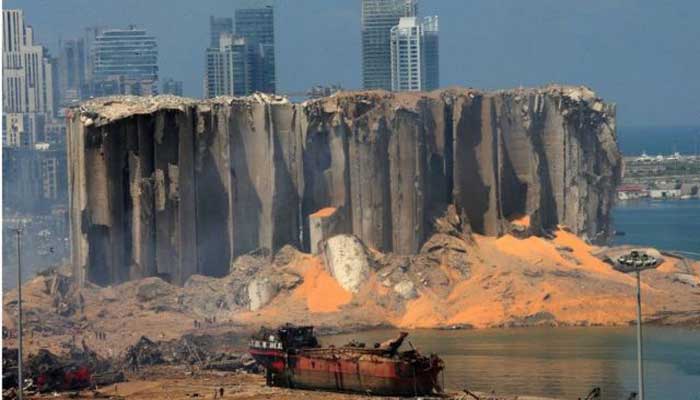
[(18, 232), (637, 261), (640, 368)]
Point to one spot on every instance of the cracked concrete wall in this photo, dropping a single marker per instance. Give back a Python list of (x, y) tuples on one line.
[(172, 187)]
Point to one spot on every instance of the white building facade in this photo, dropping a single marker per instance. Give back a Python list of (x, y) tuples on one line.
[(26, 69), (414, 55), (228, 70)]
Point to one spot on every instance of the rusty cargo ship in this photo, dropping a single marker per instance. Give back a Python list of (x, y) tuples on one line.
[(293, 357)]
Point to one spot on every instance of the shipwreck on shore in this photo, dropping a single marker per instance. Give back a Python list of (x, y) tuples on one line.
[(172, 187), (293, 357)]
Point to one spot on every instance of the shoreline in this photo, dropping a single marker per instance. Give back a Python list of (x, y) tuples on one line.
[(156, 383)]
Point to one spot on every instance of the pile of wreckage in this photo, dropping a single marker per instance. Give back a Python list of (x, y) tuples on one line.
[(47, 372), (83, 368), (186, 351)]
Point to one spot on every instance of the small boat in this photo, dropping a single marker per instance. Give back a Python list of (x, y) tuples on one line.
[(293, 357)]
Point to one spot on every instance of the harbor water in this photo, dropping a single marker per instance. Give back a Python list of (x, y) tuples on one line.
[(562, 363), (663, 224)]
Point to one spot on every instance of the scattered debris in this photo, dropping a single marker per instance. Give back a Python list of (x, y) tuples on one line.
[(144, 352), (186, 351), (46, 371)]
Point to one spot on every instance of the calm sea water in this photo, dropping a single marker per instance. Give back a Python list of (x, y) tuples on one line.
[(658, 140), (663, 224), (563, 363)]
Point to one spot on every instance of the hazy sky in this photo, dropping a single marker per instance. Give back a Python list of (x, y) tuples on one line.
[(643, 55)]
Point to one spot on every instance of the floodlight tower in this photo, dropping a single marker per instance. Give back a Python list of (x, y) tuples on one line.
[(637, 261)]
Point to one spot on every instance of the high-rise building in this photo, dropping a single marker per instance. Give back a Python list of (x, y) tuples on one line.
[(257, 26), (378, 17), (431, 53), (414, 54), (227, 68), (27, 69), (91, 34), (217, 26), (71, 70), (126, 62), (171, 86)]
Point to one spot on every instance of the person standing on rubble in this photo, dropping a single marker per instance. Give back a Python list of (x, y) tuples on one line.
[(81, 303)]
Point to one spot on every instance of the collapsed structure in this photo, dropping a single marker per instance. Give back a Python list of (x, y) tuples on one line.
[(171, 187)]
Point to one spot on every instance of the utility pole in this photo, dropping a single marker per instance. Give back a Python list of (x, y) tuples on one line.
[(637, 261), (640, 367), (18, 232)]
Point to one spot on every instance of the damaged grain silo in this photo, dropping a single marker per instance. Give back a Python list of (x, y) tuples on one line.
[(168, 186)]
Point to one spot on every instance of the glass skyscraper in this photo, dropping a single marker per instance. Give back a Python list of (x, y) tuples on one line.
[(217, 26), (128, 57), (71, 69), (257, 26), (378, 17)]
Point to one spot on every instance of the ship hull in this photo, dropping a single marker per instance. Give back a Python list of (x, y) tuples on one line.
[(362, 373)]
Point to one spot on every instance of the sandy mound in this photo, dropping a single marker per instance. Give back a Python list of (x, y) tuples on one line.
[(481, 282)]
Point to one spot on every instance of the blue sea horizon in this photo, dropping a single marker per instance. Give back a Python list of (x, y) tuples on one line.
[(633, 140), (672, 225)]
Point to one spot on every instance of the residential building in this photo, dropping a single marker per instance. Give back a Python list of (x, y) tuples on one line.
[(256, 25), (34, 177), (227, 68), (632, 191), (27, 69), (378, 17), (217, 26), (125, 62), (414, 54), (22, 129), (664, 193), (171, 86)]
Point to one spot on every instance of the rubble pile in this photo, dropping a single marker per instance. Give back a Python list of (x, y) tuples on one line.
[(144, 352), (233, 362), (186, 351), (45, 371)]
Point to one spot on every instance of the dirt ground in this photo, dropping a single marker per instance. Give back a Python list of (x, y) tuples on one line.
[(161, 383)]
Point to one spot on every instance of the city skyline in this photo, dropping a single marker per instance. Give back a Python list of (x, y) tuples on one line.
[(619, 50), (241, 63), (379, 17)]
